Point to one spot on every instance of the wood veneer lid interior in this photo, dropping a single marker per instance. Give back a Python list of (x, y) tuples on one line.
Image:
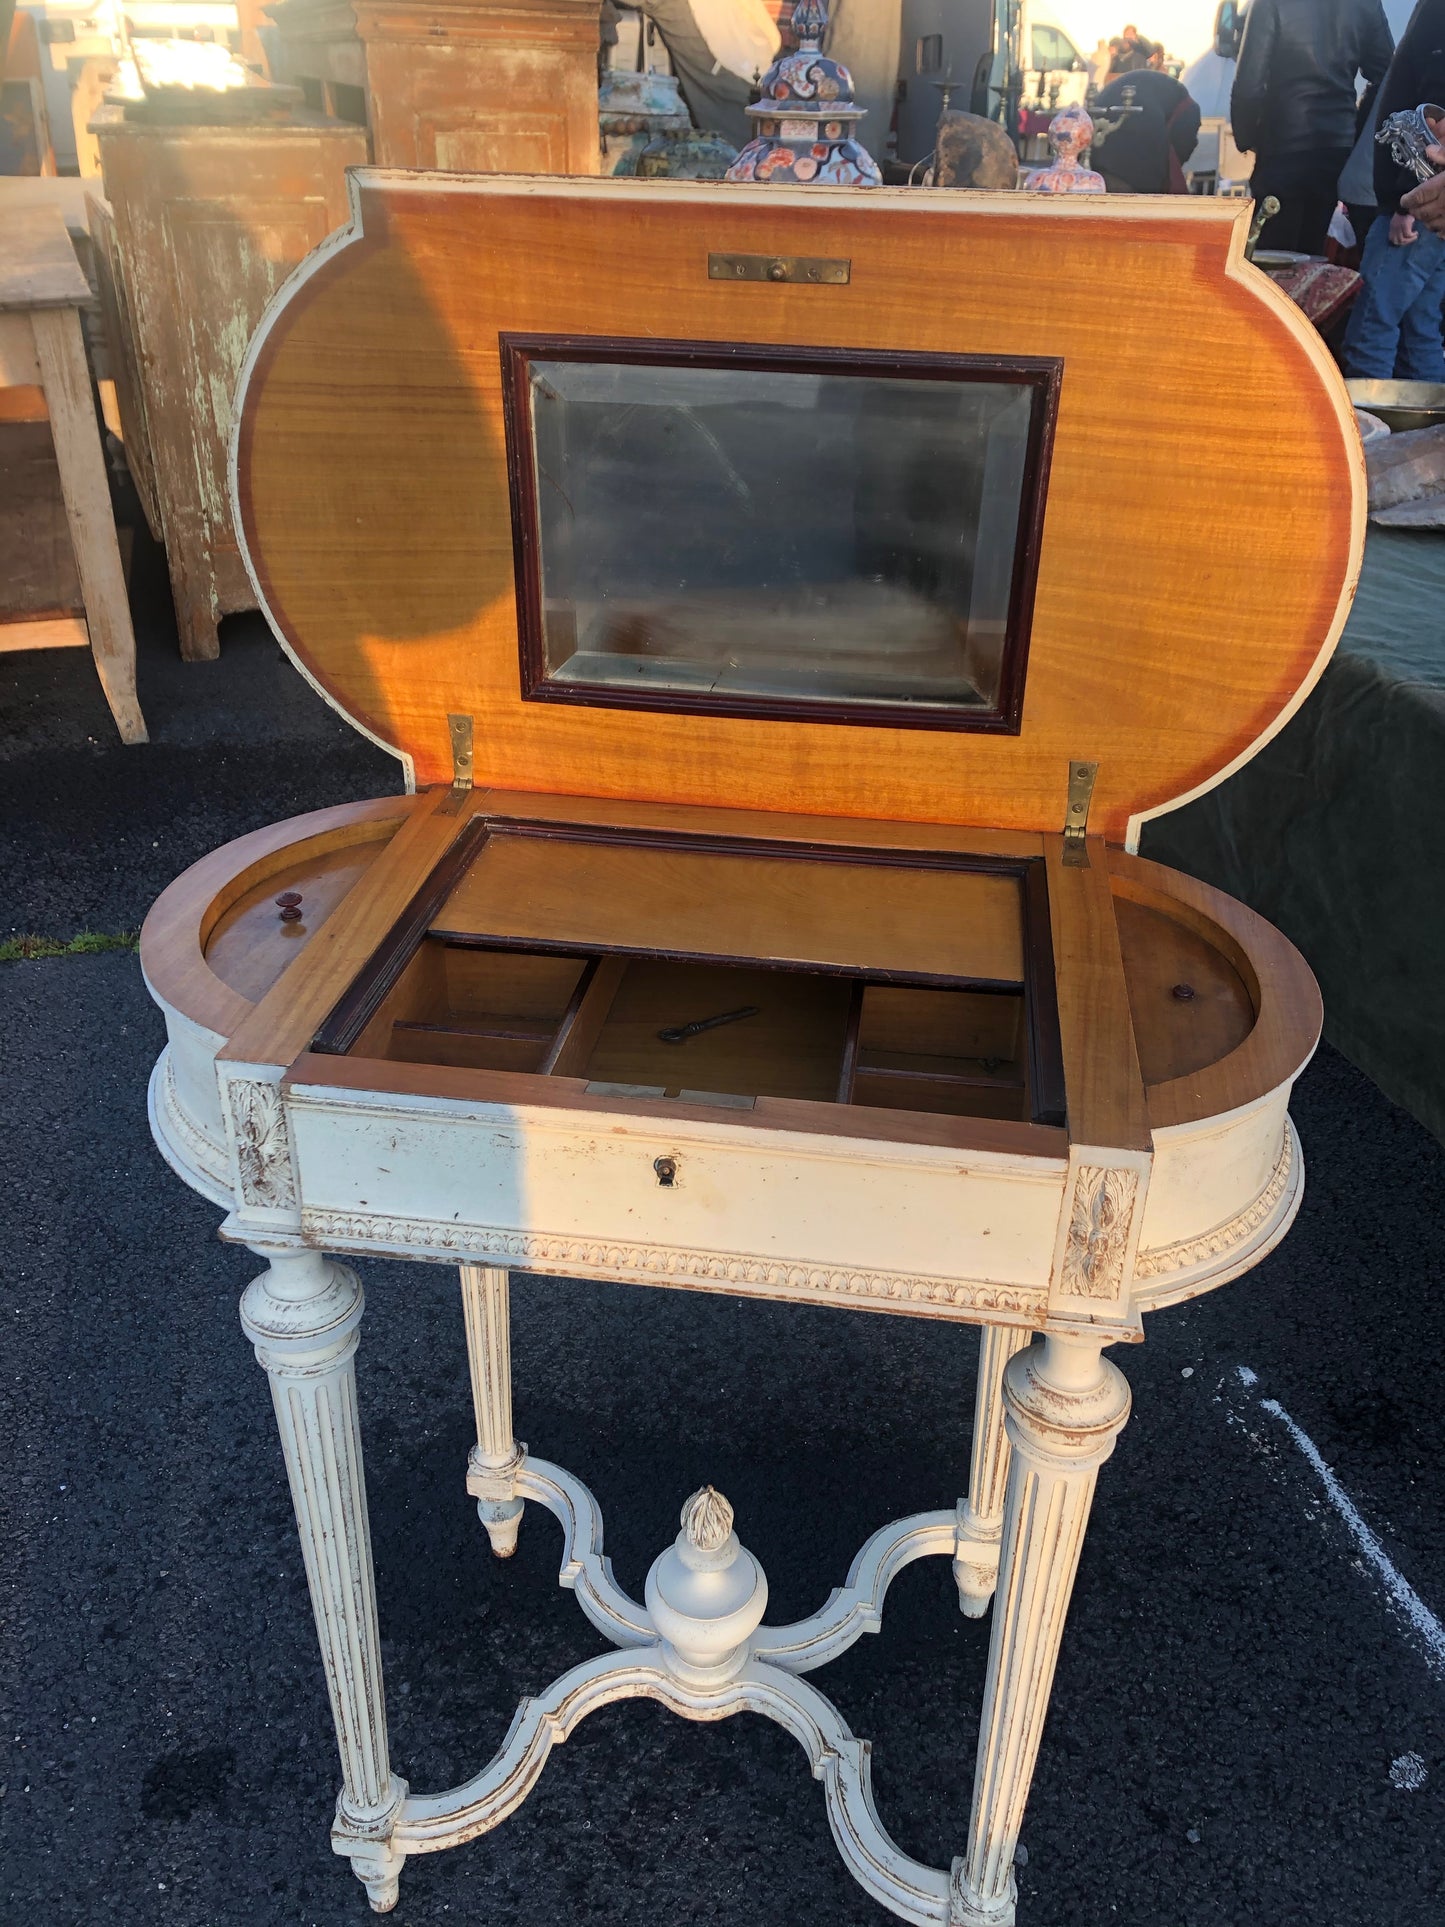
[(900, 919), (1204, 507)]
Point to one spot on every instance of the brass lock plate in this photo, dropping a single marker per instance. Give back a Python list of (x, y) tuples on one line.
[(817, 269)]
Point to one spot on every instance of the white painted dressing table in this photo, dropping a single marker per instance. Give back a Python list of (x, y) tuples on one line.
[(786, 623)]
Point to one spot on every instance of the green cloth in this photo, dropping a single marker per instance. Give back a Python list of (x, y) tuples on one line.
[(1332, 831)]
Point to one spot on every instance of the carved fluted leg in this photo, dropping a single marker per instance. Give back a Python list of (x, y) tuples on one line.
[(980, 1515), (496, 1458), (302, 1315), (1064, 1407)]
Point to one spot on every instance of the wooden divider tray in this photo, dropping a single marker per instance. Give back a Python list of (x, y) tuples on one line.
[(918, 981)]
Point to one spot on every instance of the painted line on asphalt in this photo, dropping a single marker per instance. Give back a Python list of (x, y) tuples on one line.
[(1427, 1627)]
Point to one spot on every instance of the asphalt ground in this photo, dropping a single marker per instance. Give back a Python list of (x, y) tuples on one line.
[(1248, 1724)]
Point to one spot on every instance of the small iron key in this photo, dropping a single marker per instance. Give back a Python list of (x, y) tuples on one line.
[(679, 1033)]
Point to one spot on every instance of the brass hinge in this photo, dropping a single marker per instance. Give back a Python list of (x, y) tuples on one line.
[(1076, 816), (460, 728), (810, 269)]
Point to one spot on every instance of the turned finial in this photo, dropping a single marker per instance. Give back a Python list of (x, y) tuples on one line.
[(706, 1594), (707, 1520)]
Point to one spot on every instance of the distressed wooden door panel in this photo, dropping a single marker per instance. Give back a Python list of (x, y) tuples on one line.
[(115, 306), (464, 144), (246, 247), (208, 222), (481, 105)]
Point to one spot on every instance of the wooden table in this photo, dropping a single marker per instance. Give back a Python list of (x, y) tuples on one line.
[(42, 291), (63, 192)]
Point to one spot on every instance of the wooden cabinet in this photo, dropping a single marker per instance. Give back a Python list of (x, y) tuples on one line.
[(208, 222), (463, 88)]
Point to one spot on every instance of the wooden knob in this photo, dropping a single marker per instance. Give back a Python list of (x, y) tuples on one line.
[(289, 904)]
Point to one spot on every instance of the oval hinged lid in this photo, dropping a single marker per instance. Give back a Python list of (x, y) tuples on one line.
[(955, 491)]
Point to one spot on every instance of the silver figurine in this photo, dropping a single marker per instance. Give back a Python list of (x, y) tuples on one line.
[(1409, 134)]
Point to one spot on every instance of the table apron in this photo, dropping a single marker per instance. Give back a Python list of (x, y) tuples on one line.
[(913, 1228)]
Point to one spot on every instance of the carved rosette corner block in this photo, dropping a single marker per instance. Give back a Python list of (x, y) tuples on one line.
[(261, 1141), (1100, 1214), (1099, 1233)]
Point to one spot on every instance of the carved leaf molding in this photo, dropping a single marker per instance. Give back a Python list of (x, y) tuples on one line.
[(209, 1159), (1098, 1237), (1214, 1244), (263, 1146), (663, 1263)]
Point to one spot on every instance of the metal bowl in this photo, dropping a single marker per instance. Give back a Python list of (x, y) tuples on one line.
[(1372, 430), (1401, 404)]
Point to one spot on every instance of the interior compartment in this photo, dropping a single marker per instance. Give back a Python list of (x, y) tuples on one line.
[(957, 1051), (1190, 1005), (477, 1009), (787, 1033), (790, 1044), (722, 971)]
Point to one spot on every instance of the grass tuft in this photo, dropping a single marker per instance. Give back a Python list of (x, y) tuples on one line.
[(87, 944)]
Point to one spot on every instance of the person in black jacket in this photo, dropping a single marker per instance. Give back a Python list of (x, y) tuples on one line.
[(1145, 128), (1395, 323), (1294, 104)]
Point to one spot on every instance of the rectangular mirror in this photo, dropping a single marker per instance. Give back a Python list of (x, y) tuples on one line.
[(827, 535)]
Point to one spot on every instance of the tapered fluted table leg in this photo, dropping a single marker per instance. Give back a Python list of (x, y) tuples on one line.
[(980, 1516), (302, 1315), (1064, 1407), (496, 1458)]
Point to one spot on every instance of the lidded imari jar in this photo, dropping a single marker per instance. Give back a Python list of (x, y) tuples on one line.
[(805, 116)]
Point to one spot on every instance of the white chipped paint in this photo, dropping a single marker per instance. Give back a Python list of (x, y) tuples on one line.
[(1409, 1773), (1245, 1375)]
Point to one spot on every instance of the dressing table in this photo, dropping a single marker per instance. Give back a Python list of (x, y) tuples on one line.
[(787, 606)]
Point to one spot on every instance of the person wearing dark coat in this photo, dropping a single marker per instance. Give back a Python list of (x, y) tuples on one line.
[(1293, 105), (715, 98), (1146, 126), (1395, 329)]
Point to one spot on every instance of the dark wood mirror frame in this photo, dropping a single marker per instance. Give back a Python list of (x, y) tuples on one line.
[(1043, 375)]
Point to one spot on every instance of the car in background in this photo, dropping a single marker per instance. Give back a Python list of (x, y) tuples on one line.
[(1057, 74)]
